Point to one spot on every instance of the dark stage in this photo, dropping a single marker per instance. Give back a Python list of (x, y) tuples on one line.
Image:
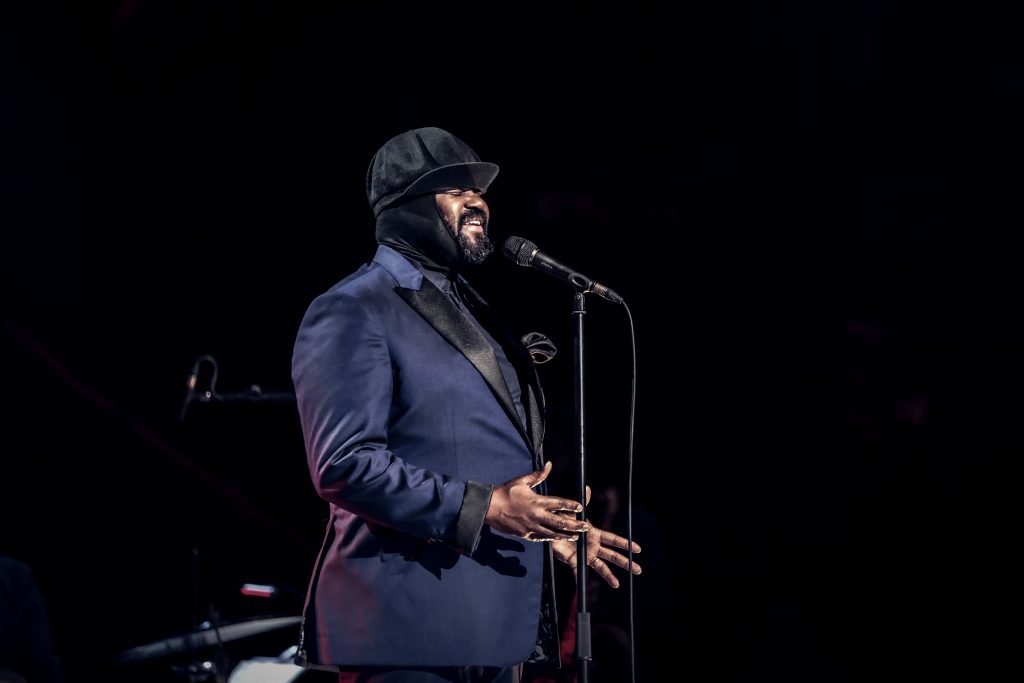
[(811, 210)]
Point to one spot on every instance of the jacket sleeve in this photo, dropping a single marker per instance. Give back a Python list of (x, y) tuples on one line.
[(342, 372)]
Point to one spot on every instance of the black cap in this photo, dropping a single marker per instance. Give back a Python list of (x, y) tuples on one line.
[(422, 161)]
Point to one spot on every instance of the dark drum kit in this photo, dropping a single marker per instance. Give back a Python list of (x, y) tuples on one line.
[(201, 655)]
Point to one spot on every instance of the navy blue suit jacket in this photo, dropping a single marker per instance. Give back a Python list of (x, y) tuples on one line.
[(407, 423)]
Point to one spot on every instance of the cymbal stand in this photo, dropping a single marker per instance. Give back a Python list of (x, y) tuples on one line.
[(203, 670)]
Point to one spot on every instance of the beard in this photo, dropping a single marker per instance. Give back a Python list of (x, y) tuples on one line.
[(474, 250)]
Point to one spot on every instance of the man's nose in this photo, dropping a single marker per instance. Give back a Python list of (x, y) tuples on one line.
[(476, 200)]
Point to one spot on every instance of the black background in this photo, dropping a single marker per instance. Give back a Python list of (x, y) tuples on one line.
[(810, 208)]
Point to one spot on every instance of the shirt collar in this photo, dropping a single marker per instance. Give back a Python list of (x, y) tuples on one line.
[(438, 280)]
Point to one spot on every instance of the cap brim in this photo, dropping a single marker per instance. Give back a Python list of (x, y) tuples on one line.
[(470, 174), (478, 174)]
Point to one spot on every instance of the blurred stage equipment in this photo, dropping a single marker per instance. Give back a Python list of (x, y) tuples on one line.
[(280, 669), (258, 590), (209, 393), (207, 635)]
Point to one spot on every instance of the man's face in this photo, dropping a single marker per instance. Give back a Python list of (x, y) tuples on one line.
[(466, 214)]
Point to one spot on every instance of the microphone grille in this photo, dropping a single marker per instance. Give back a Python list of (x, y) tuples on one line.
[(519, 250)]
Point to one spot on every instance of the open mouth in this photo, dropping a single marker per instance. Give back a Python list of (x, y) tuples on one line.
[(473, 221)]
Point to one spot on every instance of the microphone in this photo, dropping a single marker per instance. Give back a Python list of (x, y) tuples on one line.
[(526, 253)]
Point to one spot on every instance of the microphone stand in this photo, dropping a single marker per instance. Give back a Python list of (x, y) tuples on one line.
[(584, 653)]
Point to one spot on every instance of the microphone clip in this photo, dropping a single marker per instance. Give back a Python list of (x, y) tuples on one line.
[(193, 394)]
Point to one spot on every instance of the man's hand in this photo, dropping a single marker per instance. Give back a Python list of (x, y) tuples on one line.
[(517, 510), (600, 555)]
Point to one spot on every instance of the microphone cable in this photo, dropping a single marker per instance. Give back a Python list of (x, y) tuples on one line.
[(629, 496)]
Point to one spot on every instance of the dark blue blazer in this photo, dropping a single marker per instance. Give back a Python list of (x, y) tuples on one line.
[(402, 402)]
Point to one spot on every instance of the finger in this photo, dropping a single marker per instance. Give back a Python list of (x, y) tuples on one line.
[(587, 497), (549, 526), (614, 540), (563, 523), (612, 557), (536, 477), (548, 535), (554, 504), (602, 569), (533, 478)]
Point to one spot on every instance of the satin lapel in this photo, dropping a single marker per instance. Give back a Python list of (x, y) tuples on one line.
[(453, 326)]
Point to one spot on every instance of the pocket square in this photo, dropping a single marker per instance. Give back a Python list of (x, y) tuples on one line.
[(540, 347)]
